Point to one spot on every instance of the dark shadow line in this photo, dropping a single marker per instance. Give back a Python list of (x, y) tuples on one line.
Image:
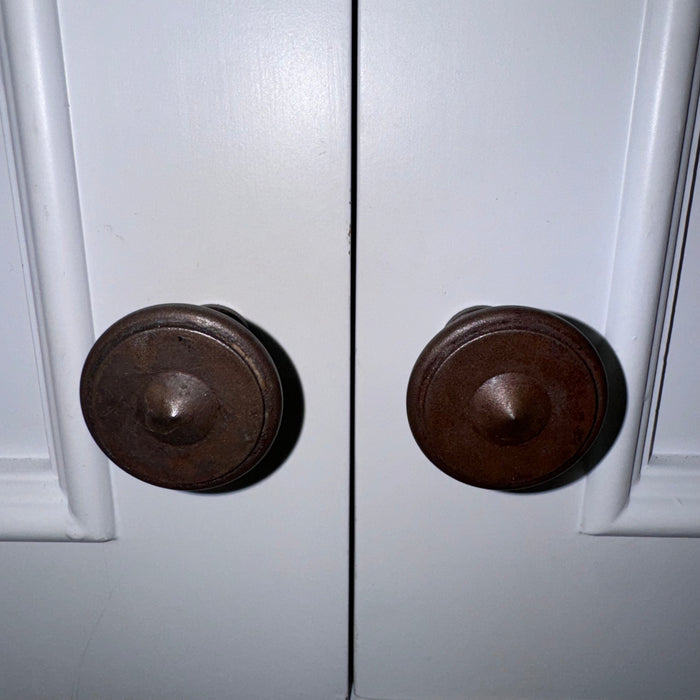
[(354, 118), (675, 292)]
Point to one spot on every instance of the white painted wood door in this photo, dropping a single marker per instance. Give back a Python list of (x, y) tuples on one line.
[(211, 145), (519, 153), (212, 165)]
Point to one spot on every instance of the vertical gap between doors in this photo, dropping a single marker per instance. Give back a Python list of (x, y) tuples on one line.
[(354, 79)]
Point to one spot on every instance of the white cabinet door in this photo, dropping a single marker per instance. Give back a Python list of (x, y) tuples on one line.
[(497, 141), (211, 146)]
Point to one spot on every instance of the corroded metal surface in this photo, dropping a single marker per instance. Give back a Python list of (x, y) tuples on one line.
[(506, 397), (181, 396)]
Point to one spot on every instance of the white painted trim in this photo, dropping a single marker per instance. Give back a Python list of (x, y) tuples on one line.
[(624, 494), (72, 499)]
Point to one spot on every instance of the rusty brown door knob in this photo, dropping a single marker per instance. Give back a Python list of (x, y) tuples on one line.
[(506, 397), (181, 396)]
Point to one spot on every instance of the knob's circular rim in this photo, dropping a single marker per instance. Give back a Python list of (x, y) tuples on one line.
[(230, 337), (481, 324)]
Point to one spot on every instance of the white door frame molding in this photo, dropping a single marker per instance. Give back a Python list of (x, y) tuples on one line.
[(628, 494), (66, 496)]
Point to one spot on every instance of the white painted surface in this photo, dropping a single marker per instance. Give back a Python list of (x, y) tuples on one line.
[(493, 144), (21, 420), (65, 494), (627, 494), (679, 409), (212, 162), (212, 156)]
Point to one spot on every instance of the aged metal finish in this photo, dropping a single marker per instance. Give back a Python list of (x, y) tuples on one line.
[(181, 396), (506, 397)]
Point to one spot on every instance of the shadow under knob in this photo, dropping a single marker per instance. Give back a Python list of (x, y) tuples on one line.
[(506, 397), (181, 396)]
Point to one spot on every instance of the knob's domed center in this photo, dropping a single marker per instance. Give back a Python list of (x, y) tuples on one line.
[(178, 408), (510, 409)]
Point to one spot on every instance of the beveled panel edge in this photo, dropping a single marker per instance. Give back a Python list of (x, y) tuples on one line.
[(74, 502), (621, 496)]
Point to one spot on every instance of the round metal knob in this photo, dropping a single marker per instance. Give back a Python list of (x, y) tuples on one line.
[(506, 397), (181, 396)]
